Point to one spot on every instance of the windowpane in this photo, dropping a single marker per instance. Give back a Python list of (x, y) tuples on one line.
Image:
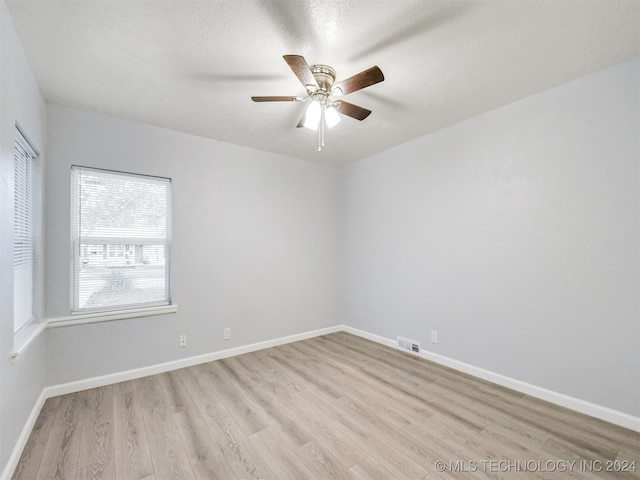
[(120, 228), (114, 275), (23, 238), (119, 205)]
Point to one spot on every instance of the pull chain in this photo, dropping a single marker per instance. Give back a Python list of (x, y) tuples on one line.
[(321, 130)]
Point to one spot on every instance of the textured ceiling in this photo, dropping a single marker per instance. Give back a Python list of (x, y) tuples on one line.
[(192, 66)]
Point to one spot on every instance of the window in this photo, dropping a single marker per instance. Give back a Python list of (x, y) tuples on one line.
[(120, 231), (23, 233)]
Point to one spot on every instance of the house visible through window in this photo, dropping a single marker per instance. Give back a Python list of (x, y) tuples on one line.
[(23, 233), (120, 230)]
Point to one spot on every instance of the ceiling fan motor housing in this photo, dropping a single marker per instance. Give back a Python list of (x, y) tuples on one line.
[(325, 76)]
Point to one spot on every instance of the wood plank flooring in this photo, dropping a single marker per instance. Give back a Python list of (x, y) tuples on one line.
[(332, 407)]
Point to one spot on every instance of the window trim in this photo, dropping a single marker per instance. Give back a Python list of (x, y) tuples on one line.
[(26, 338), (97, 317), (106, 313)]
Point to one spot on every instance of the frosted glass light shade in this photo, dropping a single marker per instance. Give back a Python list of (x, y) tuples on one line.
[(312, 118), (332, 117)]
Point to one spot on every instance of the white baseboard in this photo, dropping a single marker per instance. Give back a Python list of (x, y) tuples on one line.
[(12, 463), (603, 413), (71, 387), (597, 411)]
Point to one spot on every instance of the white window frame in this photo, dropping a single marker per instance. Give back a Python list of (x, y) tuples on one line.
[(24, 234), (77, 241)]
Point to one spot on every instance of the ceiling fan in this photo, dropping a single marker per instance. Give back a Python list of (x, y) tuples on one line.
[(325, 108)]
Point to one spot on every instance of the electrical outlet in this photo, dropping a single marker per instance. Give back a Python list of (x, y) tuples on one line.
[(183, 341), (227, 333), (434, 336)]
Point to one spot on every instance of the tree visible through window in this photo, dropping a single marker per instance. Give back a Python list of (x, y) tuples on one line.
[(121, 240)]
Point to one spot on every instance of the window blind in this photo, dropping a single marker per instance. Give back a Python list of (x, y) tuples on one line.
[(120, 229), (23, 233)]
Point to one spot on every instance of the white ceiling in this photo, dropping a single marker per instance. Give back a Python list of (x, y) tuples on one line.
[(192, 66)]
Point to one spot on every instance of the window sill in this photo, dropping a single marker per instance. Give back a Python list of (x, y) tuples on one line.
[(108, 317), (25, 337)]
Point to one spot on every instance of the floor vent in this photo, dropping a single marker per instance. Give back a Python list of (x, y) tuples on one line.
[(409, 345)]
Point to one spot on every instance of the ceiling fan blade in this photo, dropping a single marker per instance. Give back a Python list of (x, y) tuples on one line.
[(352, 110), (275, 99), (301, 122), (300, 67), (361, 80)]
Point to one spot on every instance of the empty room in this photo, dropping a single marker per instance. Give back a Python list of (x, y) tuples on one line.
[(319, 239)]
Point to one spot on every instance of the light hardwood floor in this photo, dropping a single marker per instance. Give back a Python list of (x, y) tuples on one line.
[(332, 407)]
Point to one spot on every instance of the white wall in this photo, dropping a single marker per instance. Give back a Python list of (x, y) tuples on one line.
[(255, 245), (21, 102), (515, 235)]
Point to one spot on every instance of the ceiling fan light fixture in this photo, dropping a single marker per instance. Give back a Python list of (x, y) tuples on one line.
[(312, 117), (332, 117)]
